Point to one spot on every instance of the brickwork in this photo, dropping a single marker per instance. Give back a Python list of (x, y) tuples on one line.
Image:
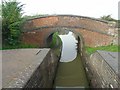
[(95, 38), (94, 32), (50, 21), (35, 37), (67, 21)]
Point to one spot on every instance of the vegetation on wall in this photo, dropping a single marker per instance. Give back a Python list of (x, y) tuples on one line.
[(118, 23), (56, 41), (109, 19)]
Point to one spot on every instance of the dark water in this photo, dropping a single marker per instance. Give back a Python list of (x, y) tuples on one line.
[(69, 47)]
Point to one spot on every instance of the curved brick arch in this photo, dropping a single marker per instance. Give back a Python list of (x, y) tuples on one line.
[(66, 21), (94, 31), (68, 29)]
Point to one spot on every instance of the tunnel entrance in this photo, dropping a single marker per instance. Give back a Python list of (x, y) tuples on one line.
[(70, 71)]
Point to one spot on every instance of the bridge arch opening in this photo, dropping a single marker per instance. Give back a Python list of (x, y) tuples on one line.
[(79, 37)]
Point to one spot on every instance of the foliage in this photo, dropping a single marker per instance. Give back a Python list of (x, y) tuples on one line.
[(0, 10), (11, 21), (118, 24), (113, 48), (56, 41), (107, 18)]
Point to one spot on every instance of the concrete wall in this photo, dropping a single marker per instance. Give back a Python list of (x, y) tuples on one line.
[(94, 32)]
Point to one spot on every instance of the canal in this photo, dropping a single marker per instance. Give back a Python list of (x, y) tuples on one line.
[(70, 71)]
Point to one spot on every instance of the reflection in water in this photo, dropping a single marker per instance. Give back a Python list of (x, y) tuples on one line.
[(69, 46), (70, 71)]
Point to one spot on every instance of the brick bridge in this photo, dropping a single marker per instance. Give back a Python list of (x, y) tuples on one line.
[(93, 32)]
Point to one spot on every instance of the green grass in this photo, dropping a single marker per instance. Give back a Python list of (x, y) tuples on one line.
[(71, 74), (5, 47), (112, 48)]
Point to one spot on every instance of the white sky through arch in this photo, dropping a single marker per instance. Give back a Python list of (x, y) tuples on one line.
[(90, 8)]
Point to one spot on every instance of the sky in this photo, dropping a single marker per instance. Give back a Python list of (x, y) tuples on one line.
[(90, 8)]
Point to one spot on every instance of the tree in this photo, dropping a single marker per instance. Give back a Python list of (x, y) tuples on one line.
[(11, 21), (0, 10)]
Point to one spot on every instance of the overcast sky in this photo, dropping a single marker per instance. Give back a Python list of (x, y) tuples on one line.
[(90, 8)]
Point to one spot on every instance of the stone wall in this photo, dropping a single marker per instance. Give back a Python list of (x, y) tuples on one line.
[(100, 74), (29, 68), (44, 75)]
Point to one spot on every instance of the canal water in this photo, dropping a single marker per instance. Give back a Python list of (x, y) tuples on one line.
[(69, 47), (70, 71)]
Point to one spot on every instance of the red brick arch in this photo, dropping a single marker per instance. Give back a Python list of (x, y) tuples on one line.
[(93, 31)]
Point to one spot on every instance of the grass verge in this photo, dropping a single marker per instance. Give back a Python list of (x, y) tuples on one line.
[(5, 47), (112, 48)]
